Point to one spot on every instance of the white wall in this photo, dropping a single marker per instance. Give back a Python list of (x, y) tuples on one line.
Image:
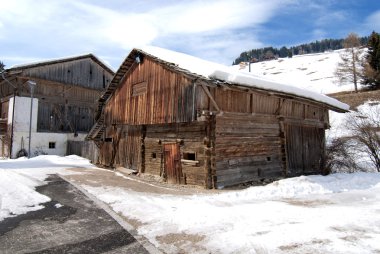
[(22, 113), (40, 140)]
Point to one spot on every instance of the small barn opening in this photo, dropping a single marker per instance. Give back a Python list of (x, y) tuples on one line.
[(191, 156)]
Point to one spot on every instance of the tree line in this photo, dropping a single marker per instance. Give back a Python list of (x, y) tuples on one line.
[(268, 53)]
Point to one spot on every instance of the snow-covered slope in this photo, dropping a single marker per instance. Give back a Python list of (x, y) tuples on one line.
[(314, 72)]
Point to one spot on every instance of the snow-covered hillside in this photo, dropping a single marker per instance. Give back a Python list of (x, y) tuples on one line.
[(312, 71)]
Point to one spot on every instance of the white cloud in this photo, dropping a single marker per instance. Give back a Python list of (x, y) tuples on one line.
[(373, 22), (197, 17), (204, 28)]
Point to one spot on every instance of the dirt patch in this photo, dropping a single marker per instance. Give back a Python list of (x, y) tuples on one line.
[(133, 222), (308, 203), (355, 99), (182, 242), (313, 246), (97, 177), (353, 233)]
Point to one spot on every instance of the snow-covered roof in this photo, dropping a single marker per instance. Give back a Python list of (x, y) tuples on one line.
[(63, 59), (211, 70)]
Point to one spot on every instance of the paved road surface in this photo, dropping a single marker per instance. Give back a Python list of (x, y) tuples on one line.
[(70, 223)]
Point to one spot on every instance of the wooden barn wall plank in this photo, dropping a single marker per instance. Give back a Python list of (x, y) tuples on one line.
[(82, 72), (191, 139), (247, 148), (169, 97), (65, 108)]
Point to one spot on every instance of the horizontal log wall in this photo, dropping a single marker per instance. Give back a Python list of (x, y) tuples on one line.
[(191, 138), (247, 148), (168, 97)]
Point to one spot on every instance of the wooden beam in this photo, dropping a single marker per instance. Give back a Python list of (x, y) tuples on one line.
[(210, 97)]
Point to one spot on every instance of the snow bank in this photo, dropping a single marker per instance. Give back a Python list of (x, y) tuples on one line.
[(217, 71), (18, 195), (19, 177)]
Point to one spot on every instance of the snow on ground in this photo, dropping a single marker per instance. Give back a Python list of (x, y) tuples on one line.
[(19, 177), (308, 214), (338, 213), (314, 72)]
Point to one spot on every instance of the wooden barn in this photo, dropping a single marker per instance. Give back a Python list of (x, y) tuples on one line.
[(64, 104), (195, 122)]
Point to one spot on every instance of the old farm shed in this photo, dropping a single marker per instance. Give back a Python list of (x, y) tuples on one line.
[(196, 122), (64, 104)]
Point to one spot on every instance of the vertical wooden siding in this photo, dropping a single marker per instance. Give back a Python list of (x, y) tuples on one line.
[(83, 72), (169, 97), (122, 147), (305, 149)]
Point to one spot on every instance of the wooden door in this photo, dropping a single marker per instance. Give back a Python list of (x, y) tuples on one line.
[(172, 163), (305, 149)]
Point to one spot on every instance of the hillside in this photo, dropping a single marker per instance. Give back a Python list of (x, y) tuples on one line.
[(311, 71)]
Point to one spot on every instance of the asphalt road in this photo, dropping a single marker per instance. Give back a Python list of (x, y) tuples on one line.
[(70, 223)]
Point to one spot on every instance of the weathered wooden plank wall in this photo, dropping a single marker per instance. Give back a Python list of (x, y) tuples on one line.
[(4, 109), (63, 107), (85, 149), (191, 139), (251, 142), (128, 152), (247, 148), (83, 72), (168, 98), (305, 146)]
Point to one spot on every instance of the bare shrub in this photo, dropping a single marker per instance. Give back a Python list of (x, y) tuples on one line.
[(365, 129), (340, 156)]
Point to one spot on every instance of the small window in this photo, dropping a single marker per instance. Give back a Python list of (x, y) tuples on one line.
[(154, 155), (191, 156), (51, 145), (108, 140), (269, 159)]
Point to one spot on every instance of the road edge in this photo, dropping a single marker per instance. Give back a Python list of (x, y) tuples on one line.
[(141, 239)]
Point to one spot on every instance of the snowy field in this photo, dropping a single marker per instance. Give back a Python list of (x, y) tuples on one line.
[(339, 213), (314, 72)]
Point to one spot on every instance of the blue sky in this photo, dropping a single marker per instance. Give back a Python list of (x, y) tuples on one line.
[(34, 30)]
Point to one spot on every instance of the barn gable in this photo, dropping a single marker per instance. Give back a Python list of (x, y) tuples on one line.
[(65, 101), (197, 123), (85, 71)]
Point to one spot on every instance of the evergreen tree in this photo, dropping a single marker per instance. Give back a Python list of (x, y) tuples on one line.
[(349, 68), (313, 47), (371, 68), (2, 66)]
